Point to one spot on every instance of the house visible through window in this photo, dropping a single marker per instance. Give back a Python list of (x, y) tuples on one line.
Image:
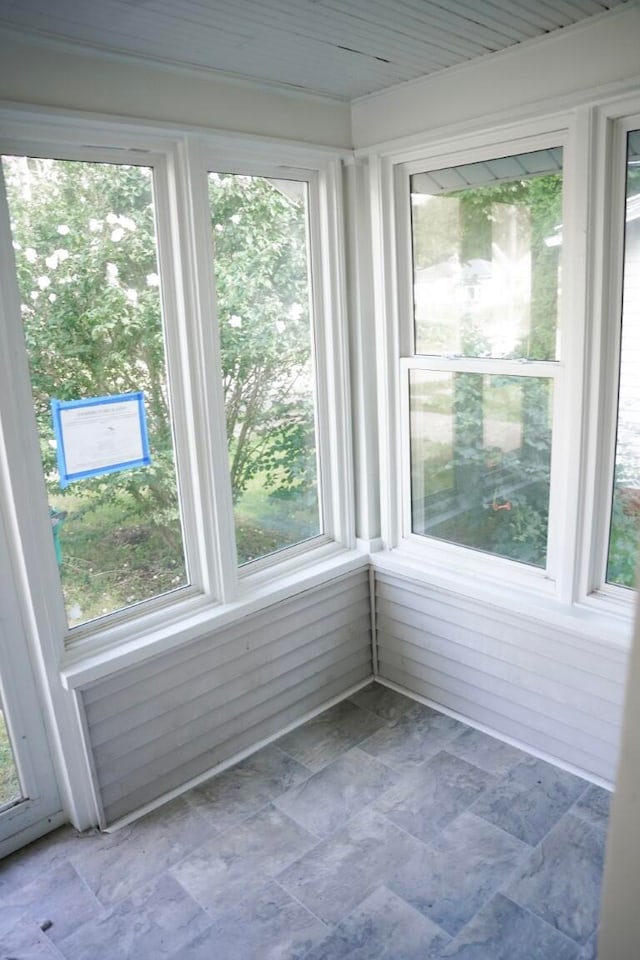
[(625, 519), (486, 288)]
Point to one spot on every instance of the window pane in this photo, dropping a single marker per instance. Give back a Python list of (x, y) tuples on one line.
[(259, 230), (480, 459), (85, 247), (10, 790), (486, 245), (625, 520)]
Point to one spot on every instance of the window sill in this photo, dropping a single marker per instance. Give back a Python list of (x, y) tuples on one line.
[(101, 656), (513, 592)]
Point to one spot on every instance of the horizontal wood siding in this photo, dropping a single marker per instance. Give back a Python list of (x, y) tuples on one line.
[(160, 724), (555, 691)]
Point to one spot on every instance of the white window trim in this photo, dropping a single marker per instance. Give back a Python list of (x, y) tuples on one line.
[(218, 595), (432, 561)]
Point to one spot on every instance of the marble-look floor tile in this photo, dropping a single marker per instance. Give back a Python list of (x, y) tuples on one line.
[(53, 850), (25, 941), (426, 800), (140, 851), (243, 790), (590, 949), (485, 751), (561, 879), (268, 925), (449, 880), (342, 871), (221, 872), (387, 703), (9, 916), (594, 806), (151, 925), (504, 931), (383, 927), (530, 799), (268, 841), (413, 738), (60, 898), (330, 797), (324, 738)]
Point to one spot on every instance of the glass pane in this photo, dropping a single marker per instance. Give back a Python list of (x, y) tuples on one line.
[(480, 461), (10, 790), (625, 519), (85, 247), (486, 257), (259, 230)]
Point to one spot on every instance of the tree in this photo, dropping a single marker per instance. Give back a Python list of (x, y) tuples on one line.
[(86, 257)]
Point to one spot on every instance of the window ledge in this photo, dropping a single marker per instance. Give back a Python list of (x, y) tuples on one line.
[(94, 660), (525, 595)]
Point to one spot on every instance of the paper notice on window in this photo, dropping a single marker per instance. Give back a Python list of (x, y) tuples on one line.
[(100, 435)]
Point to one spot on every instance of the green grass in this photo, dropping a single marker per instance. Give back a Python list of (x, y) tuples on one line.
[(9, 784)]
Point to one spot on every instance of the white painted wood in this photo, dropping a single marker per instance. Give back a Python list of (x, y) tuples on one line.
[(562, 694), (335, 48), (620, 920), (150, 730), (541, 76)]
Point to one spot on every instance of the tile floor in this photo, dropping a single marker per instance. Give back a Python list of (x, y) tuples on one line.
[(381, 830)]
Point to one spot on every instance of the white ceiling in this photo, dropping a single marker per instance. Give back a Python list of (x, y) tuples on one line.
[(340, 48)]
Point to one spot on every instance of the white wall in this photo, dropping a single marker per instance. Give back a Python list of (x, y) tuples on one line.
[(620, 918), (568, 63), (52, 76)]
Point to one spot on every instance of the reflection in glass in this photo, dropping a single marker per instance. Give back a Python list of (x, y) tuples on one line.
[(85, 249), (486, 244), (480, 461), (259, 231), (624, 537)]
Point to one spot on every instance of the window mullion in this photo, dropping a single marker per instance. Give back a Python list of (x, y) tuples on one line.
[(216, 535)]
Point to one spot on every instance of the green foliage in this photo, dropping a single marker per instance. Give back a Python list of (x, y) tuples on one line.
[(259, 235), (84, 237)]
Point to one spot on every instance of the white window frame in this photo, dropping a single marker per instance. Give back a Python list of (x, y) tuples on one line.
[(612, 123), (580, 376), (216, 595)]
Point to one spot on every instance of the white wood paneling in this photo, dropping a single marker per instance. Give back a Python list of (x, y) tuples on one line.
[(160, 724), (557, 692), (341, 48)]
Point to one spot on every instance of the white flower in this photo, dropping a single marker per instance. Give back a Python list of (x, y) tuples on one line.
[(52, 298), (16, 245), (31, 255), (127, 223), (280, 326), (295, 311), (117, 234), (132, 296), (153, 280), (235, 218), (112, 275), (61, 254), (95, 225), (75, 612), (218, 228), (43, 282), (63, 229), (52, 261), (111, 218), (235, 320), (34, 294)]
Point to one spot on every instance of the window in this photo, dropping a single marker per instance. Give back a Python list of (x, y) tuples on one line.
[(486, 241), (624, 534), (86, 255), (261, 262), (149, 279)]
